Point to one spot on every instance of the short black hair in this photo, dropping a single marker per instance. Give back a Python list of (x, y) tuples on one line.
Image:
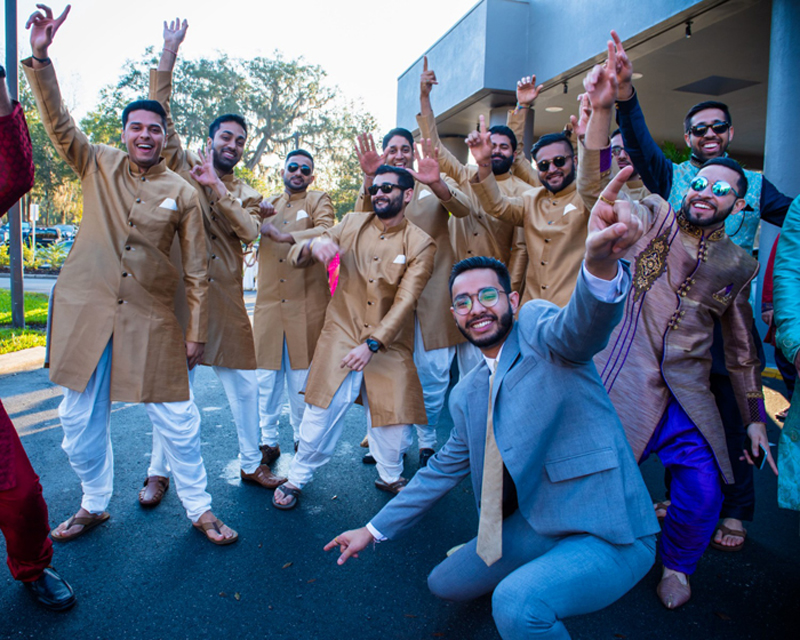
[(551, 138), (399, 131), (730, 163), (481, 262), (503, 130), (404, 179), (300, 152), (615, 132), (145, 105), (227, 117), (702, 106)]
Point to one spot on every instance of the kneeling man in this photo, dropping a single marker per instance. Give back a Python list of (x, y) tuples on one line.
[(548, 545)]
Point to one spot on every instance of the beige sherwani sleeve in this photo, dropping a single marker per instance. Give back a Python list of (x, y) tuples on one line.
[(522, 167)]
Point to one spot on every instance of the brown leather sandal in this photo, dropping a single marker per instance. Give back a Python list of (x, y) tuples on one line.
[(391, 487), (727, 531), (217, 525), (153, 490), (88, 523)]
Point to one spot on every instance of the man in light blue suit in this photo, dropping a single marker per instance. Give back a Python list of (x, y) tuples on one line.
[(566, 524)]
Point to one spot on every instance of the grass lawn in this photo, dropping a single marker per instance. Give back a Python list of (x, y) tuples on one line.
[(35, 308), (12, 339)]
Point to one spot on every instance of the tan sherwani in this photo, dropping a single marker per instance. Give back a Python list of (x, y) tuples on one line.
[(432, 216), (229, 222), (291, 302), (118, 279), (555, 227), (480, 234), (381, 276), (522, 167)]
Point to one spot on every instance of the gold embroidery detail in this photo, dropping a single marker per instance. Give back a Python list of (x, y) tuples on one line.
[(697, 232), (650, 264)]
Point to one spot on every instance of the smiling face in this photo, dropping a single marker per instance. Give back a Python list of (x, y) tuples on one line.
[(703, 208), (143, 136), (554, 178), (709, 145), (228, 146), (623, 159), (399, 153), (484, 327), (502, 154), (388, 205)]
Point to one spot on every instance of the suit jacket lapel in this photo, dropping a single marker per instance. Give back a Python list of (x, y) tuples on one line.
[(507, 358)]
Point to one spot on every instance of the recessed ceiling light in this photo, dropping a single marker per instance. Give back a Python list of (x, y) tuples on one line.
[(554, 109), (636, 75)]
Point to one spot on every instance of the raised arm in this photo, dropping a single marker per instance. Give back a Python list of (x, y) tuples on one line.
[(16, 153), (69, 141), (161, 90), (527, 92), (651, 164), (426, 121)]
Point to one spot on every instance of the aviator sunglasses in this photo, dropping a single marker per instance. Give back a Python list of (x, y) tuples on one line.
[(304, 169), (720, 188), (488, 297), (386, 187), (558, 161), (719, 127)]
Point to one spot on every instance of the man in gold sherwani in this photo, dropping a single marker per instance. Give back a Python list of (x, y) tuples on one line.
[(291, 303), (115, 335), (431, 208), (687, 273), (366, 343), (231, 216), (478, 234)]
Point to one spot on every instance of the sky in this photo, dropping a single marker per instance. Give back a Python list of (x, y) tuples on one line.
[(363, 45)]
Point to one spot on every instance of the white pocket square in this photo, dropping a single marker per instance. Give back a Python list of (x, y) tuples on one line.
[(400, 259), (424, 194), (238, 201), (568, 208), (169, 203), (301, 214)]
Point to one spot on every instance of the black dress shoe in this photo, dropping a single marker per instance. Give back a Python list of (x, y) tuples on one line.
[(52, 591), (425, 455)]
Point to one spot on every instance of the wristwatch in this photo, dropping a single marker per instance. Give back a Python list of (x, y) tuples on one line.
[(373, 345)]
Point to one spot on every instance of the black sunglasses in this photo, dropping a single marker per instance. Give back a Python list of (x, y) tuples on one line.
[(304, 168), (718, 127), (386, 187), (558, 161)]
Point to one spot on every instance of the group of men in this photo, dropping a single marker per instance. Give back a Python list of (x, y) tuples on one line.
[(512, 267)]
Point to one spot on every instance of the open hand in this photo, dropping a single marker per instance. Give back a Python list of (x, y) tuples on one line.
[(624, 69), (357, 358), (43, 28), (527, 91), (427, 163), (368, 156), (174, 33), (480, 143)]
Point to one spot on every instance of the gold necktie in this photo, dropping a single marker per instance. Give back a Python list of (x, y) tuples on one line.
[(490, 525)]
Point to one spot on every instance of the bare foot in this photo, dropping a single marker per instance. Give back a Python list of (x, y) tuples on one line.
[(730, 540), (280, 497), (219, 533), (661, 509)]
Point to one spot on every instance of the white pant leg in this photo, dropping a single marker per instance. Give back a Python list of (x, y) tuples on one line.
[(270, 398), (86, 420), (178, 424), (433, 368), (468, 356), (241, 387), (158, 461), (387, 445), (321, 429), (295, 384)]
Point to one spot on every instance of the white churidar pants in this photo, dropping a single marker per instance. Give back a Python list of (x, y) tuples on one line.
[(241, 389), (270, 398), (86, 420), (322, 428), (433, 369)]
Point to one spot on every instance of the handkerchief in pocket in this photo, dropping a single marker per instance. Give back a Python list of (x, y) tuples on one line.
[(170, 204), (400, 259), (301, 214)]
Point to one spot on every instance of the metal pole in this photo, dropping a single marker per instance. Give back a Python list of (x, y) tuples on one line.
[(14, 213)]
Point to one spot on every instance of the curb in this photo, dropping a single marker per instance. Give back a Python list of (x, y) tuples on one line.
[(19, 361)]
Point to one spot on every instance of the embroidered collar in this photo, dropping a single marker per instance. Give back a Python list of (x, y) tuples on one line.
[(697, 232)]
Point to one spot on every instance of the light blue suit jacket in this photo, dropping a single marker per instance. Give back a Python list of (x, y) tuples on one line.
[(556, 429)]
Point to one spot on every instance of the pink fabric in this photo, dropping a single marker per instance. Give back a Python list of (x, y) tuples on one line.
[(333, 273)]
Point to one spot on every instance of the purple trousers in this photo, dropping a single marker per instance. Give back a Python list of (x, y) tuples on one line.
[(696, 489)]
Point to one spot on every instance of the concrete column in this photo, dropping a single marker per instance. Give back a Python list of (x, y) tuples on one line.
[(783, 125), (455, 144)]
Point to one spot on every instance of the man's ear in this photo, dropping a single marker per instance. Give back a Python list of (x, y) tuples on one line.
[(408, 195), (312, 178), (688, 140), (513, 299), (730, 135), (282, 172), (740, 204)]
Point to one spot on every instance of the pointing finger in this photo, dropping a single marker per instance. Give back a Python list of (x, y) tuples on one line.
[(424, 63), (615, 186)]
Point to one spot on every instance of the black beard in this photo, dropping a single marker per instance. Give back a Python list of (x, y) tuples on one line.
[(504, 326), (716, 219), (391, 209), (568, 180), (222, 164), (501, 164)]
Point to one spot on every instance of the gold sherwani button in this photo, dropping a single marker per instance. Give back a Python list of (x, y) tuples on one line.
[(138, 200)]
